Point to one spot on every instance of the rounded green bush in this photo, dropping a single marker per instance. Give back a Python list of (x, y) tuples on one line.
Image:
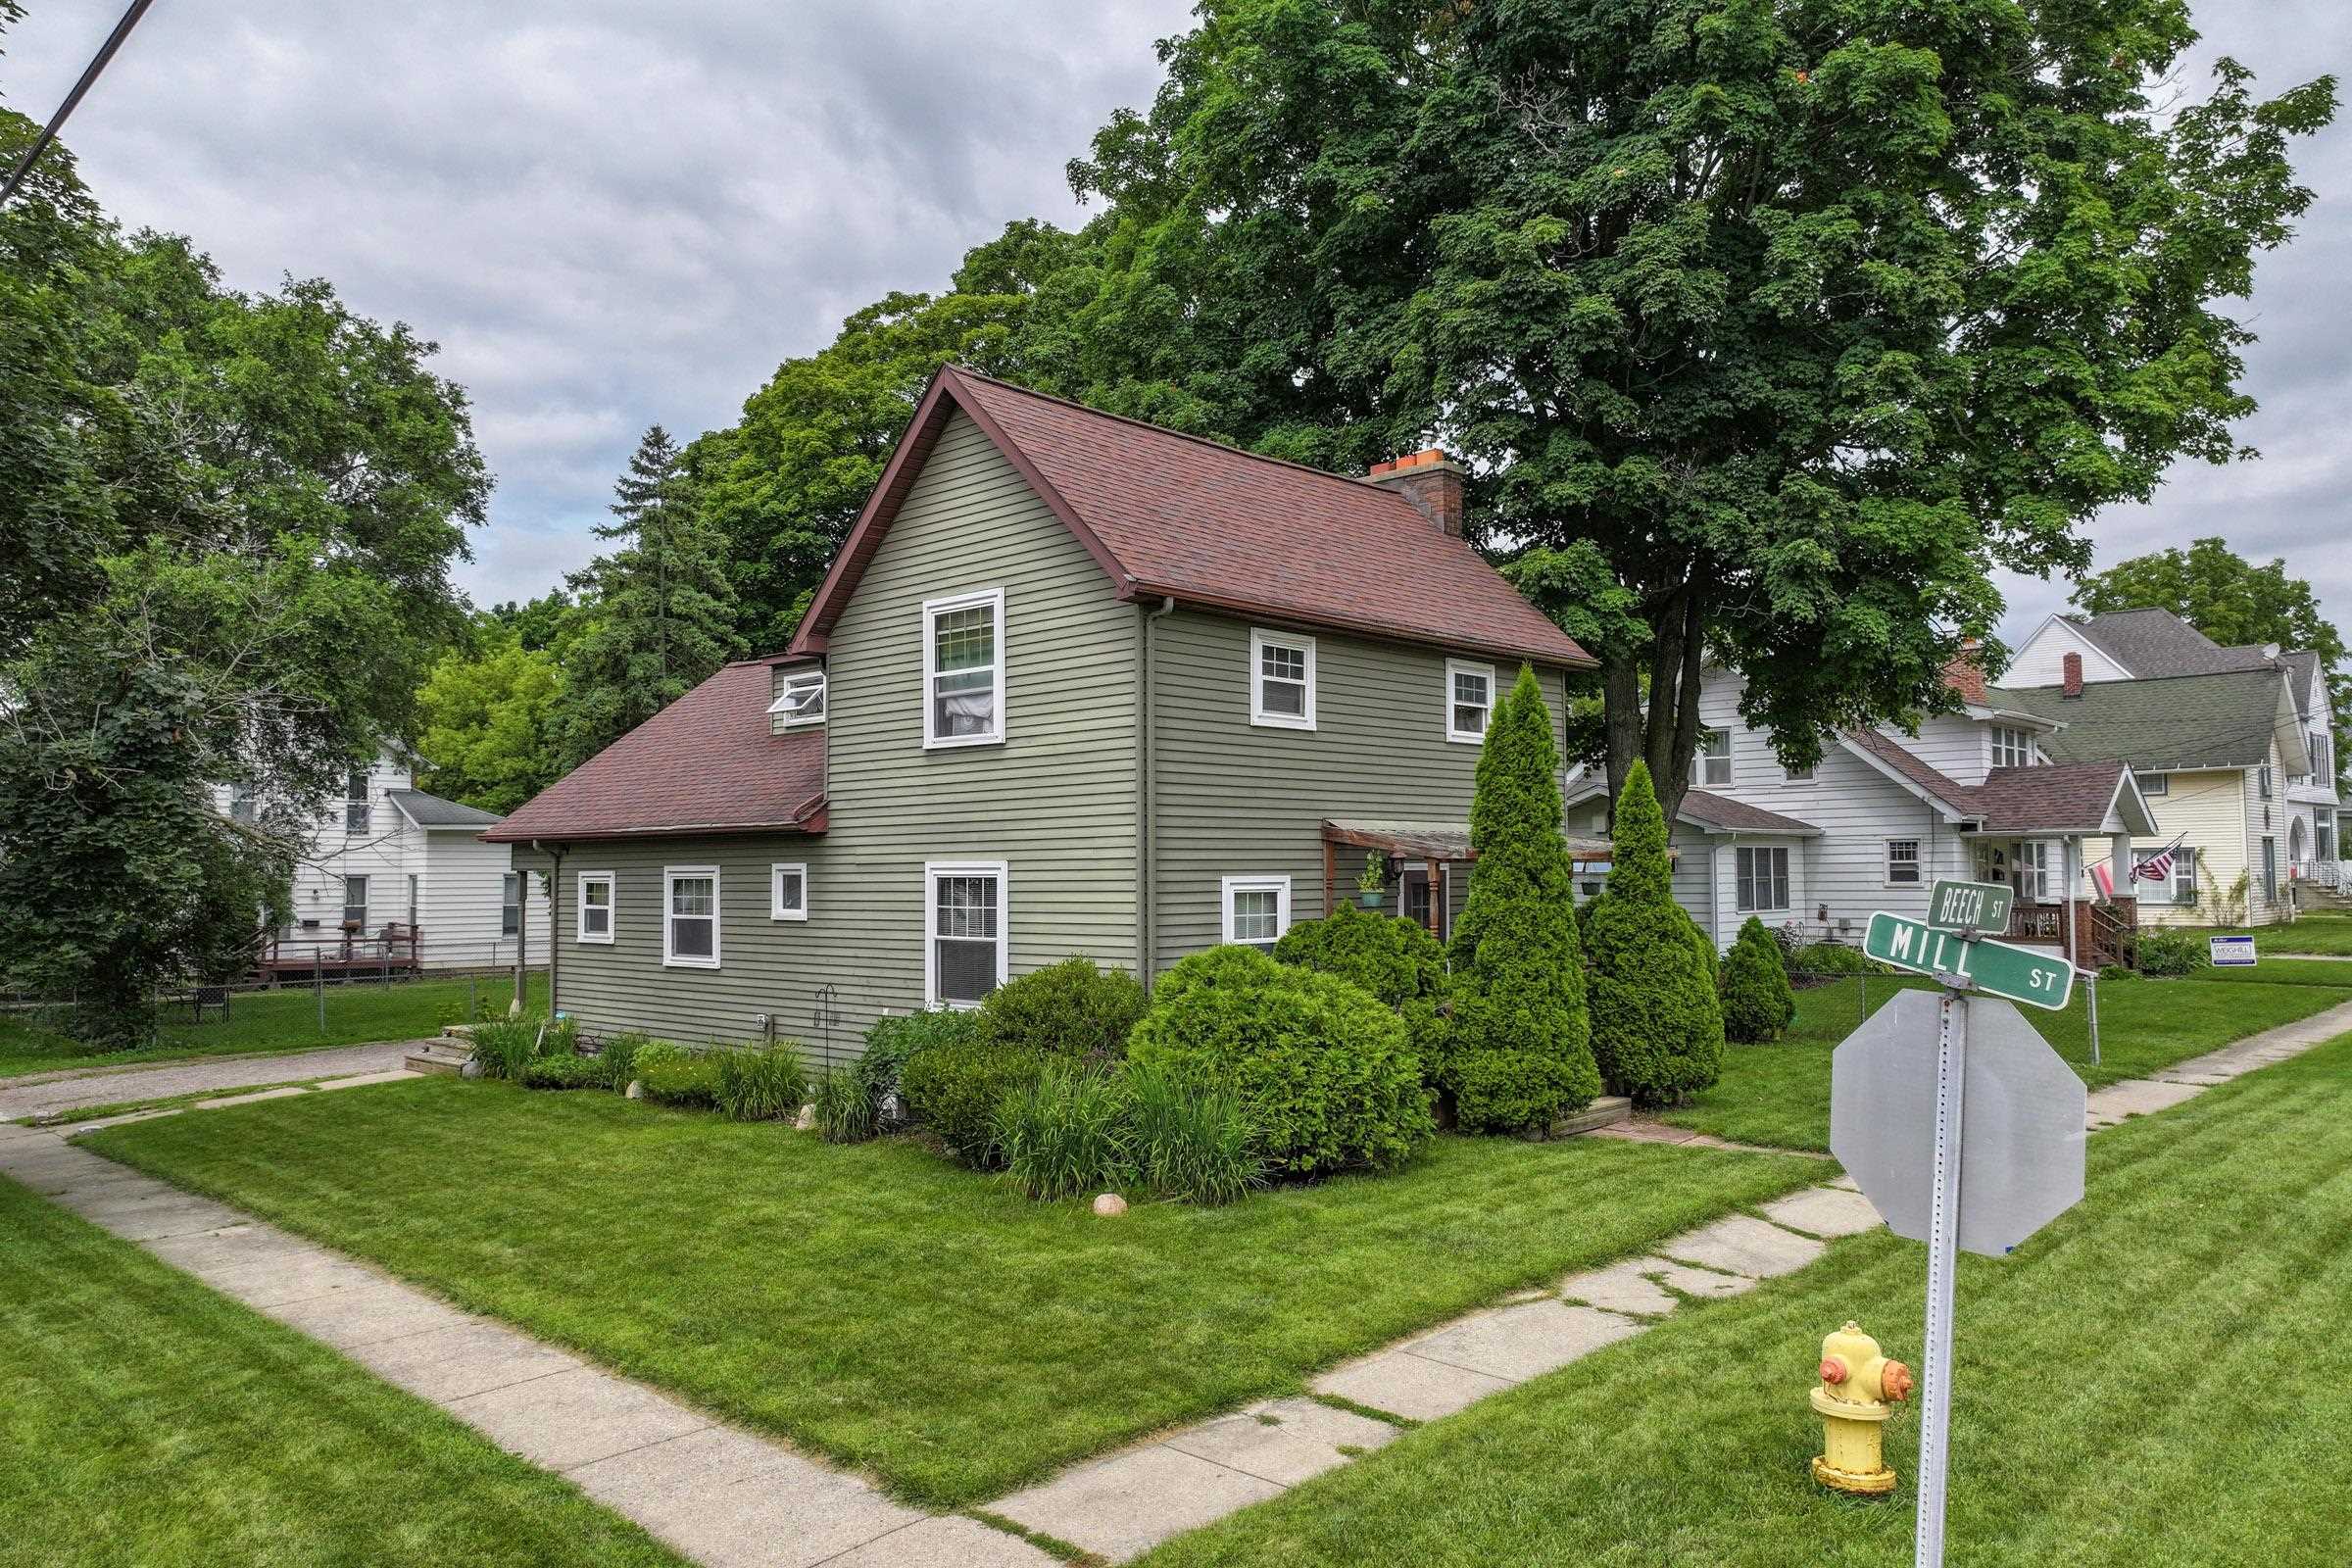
[(672, 1075), (1757, 1000), (2158, 952), (563, 1072), (1071, 1009), (1657, 1026), (1323, 1068), (1396, 960), (955, 1090)]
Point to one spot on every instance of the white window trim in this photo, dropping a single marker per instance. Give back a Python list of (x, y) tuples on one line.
[(1279, 886), (2031, 742), (933, 609), (790, 713), (1919, 861), (1453, 667), (1787, 880), (1800, 781), (670, 875), (579, 917), (1259, 638), (775, 890), (933, 871), (1729, 765)]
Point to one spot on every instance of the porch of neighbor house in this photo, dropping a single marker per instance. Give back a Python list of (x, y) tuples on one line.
[(2051, 878), (1420, 879)]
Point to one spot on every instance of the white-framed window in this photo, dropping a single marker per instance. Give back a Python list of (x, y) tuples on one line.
[(355, 901), (1763, 879), (963, 670), (966, 951), (1797, 775), (509, 904), (1903, 869), (690, 917), (2012, 747), (1469, 700), (356, 812), (1282, 679), (240, 802), (594, 922), (1257, 908), (800, 701), (2184, 881), (788, 890), (2152, 785), (2033, 876), (1714, 757)]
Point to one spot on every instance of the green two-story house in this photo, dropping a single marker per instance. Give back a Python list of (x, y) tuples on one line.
[(1074, 685)]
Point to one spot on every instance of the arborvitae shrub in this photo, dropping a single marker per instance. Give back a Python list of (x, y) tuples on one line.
[(1758, 1002), (1657, 1027)]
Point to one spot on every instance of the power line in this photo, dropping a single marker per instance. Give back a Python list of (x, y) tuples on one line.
[(56, 122)]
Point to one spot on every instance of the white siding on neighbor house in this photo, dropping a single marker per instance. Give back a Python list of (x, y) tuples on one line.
[(1955, 745), (2042, 660), (465, 901), (2206, 809)]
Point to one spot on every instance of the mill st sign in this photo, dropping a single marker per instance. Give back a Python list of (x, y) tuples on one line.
[(1988, 968)]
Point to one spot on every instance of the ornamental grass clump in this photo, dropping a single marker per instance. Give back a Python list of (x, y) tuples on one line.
[(1191, 1140), (1758, 1002), (1065, 1131), (1519, 1053), (846, 1110), (760, 1083), (505, 1047), (1657, 1026)]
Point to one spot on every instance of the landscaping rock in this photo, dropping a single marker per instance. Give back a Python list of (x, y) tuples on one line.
[(474, 1069), (805, 1121), (635, 1090), (1111, 1205)]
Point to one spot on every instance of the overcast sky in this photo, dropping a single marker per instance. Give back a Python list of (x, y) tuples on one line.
[(609, 213)]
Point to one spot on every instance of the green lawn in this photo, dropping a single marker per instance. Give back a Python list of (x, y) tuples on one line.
[(1778, 1094), (275, 1020), (149, 1421), (2159, 1380), (899, 1313), (2309, 933)]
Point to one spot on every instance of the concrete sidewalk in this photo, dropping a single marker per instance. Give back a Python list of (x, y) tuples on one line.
[(52, 1093)]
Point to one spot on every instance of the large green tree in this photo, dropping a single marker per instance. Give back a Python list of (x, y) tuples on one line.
[(487, 723), (655, 616), (1768, 326), (226, 522), (2230, 600)]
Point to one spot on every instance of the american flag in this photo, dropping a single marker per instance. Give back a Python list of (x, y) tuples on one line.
[(2157, 868)]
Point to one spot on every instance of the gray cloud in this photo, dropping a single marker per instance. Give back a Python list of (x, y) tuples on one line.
[(609, 213)]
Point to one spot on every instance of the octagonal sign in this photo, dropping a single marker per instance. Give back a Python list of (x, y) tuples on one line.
[(2021, 1122)]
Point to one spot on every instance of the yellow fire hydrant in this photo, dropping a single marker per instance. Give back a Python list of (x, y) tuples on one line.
[(1858, 1391)]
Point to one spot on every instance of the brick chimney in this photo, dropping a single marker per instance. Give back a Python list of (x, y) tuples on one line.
[(2073, 679), (1432, 482)]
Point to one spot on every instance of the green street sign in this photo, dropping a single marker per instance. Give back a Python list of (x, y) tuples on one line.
[(1970, 906), (1991, 968)]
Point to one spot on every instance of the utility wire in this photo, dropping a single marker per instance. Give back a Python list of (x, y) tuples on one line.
[(56, 122)]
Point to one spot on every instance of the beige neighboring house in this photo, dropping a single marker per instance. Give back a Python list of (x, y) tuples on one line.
[(394, 877), (2234, 745)]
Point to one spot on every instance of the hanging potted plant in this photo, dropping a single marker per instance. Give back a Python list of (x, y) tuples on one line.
[(1373, 883)]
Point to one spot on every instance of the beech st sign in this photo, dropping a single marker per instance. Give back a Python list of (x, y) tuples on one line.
[(1991, 968)]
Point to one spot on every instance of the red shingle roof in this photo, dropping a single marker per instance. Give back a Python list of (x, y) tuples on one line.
[(1167, 514), (2061, 798), (707, 764)]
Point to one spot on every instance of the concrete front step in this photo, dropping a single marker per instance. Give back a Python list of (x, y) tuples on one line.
[(439, 1057), (1606, 1111)]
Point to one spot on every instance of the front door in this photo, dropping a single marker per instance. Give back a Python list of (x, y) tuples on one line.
[(1413, 896)]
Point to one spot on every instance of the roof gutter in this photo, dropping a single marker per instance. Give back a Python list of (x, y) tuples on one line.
[(1549, 659)]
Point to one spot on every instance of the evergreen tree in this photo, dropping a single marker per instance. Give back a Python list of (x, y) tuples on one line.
[(1521, 1053), (1657, 1028), (655, 616), (1757, 1001)]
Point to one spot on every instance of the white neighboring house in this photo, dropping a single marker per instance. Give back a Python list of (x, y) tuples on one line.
[(390, 870), (2286, 824), (1882, 815)]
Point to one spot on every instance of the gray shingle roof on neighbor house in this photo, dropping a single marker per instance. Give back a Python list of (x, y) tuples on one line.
[(2225, 720), (2157, 643), (2301, 665), (431, 810)]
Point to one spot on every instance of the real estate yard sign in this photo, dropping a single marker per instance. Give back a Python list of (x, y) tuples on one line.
[(1993, 969), (1898, 1090), (2231, 952)]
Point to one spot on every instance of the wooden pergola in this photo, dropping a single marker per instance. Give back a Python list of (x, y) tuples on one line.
[(1434, 844)]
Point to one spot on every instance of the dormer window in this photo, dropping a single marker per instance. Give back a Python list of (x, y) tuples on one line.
[(2012, 748), (800, 701)]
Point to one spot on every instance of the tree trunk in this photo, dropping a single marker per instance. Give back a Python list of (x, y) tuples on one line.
[(1659, 727)]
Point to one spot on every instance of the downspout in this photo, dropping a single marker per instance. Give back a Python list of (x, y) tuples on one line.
[(1143, 845)]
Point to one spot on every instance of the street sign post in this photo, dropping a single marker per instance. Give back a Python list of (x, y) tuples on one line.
[(1973, 1146), (2231, 952), (1970, 906), (1993, 969)]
